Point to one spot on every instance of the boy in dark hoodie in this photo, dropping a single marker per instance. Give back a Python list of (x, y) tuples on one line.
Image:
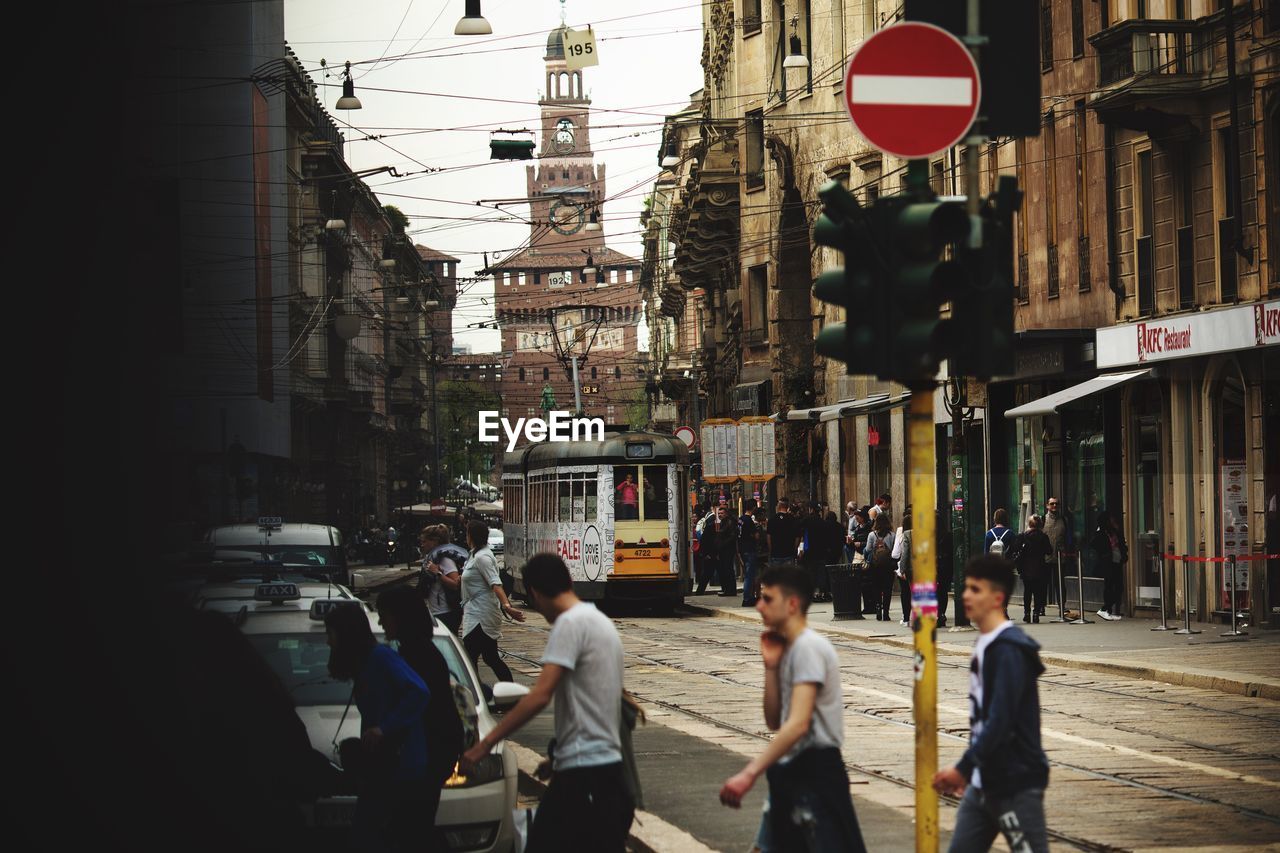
[(1004, 771)]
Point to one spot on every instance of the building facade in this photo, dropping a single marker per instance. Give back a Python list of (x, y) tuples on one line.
[(566, 293)]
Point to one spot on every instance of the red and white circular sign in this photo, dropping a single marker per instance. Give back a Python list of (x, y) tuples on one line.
[(687, 435), (912, 90)]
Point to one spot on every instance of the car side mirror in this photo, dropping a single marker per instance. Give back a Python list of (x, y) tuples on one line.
[(506, 694)]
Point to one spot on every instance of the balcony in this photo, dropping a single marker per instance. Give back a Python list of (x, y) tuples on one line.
[(1174, 62)]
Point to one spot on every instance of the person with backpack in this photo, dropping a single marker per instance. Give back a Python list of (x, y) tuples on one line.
[(879, 556), (440, 580), (1110, 553), (999, 541), (902, 553), (407, 621)]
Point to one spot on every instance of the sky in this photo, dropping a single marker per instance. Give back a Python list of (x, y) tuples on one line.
[(423, 90)]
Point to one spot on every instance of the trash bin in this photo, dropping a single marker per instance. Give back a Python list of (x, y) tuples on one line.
[(846, 593)]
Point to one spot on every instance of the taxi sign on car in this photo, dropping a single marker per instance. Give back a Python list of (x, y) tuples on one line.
[(277, 592)]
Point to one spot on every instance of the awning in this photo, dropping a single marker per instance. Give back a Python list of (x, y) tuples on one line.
[(813, 415), (847, 408), (1050, 404)]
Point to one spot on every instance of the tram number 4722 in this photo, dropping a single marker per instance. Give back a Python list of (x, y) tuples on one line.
[(644, 552)]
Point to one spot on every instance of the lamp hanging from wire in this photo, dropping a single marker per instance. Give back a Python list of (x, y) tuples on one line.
[(593, 223), (335, 223), (472, 22), (348, 101), (590, 268), (671, 154), (796, 58)]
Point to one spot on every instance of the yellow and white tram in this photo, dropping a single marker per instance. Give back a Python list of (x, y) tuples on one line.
[(614, 511)]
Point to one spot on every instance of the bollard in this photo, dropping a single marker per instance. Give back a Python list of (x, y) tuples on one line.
[(1186, 598), (1164, 620), (1234, 632), (1062, 598), (1080, 586)]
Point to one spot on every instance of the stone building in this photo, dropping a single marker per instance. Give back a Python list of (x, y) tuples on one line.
[(565, 292)]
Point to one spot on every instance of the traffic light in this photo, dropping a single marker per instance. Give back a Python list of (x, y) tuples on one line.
[(921, 279), (984, 318), (860, 341)]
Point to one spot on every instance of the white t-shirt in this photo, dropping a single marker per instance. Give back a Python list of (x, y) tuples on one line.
[(811, 659), (588, 700), (480, 605), (975, 689), (436, 600)]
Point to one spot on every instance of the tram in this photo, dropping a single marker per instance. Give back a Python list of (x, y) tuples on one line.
[(612, 509)]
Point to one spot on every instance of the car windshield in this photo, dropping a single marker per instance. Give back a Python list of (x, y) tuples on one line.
[(309, 556), (302, 663)]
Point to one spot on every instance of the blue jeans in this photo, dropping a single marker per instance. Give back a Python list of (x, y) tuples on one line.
[(1020, 817), (749, 562)]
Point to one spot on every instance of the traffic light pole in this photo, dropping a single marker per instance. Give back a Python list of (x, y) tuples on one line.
[(924, 616)]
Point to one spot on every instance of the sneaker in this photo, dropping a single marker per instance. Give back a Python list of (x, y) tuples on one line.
[(1105, 615), (1114, 617), (904, 623)]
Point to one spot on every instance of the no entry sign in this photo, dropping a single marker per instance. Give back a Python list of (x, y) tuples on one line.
[(912, 90)]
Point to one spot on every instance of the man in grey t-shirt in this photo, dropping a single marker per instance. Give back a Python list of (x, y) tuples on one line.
[(587, 806), (809, 806)]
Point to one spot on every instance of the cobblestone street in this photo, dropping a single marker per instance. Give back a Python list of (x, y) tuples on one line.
[(1136, 764)]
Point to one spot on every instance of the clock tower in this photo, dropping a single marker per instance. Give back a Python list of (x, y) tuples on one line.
[(566, 186)]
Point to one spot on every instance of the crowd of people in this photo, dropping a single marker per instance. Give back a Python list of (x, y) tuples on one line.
[(729, 551)]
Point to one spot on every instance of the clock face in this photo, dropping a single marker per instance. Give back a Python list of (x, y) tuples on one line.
[(562, 142), (567, 217)]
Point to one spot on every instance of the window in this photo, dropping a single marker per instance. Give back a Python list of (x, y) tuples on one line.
[(565, 174), (617, 373), (1051, 200), (936, 177), (781, 47), (522, 374), (750, 17), (654, 499), (546, 374), (837, 37), (537, 278), (1046, 35), (1144, 204), (1184, 230), (1024, 277), (1082, 198), (1224, 177), (1077, 29), (593, 373), (758, 303), (755, 149)]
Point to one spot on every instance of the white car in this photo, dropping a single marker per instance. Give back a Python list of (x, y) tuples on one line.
[(497, 539), (476, 812)]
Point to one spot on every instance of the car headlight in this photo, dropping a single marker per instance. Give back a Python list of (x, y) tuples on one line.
[(489, 769)]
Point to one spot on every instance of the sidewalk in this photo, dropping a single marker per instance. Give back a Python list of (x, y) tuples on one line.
[(1248, 666)]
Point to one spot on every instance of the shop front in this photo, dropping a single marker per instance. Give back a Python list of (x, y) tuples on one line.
[(1199, 439)]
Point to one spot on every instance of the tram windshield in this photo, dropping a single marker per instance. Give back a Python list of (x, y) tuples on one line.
[(640, 492)]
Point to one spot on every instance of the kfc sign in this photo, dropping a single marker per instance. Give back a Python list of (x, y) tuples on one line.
[(1161, 339), (1223, 330)]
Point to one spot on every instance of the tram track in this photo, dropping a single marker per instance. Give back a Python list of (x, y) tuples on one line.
[(883, 716)]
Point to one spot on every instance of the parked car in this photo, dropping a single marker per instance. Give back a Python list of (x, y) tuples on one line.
[(314, 550), (476, 810)]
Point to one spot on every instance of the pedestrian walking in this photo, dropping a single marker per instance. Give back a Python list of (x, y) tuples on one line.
[(762, 553), (869, 596), (408, 622), (809, 807), (902, 554), (1032, 553), (879, 555), (946, 562), (1110, 553), (1004, 772), (999, 541), (484, 603), (784, 535), (587, 805), (390, 759), (748, 550), (440, 580), (724, 536)]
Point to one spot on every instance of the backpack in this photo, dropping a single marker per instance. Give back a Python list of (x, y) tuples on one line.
[(997, 546), (454, 552)]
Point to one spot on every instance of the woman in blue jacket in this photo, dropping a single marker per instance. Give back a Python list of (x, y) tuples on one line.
[(393, 777)]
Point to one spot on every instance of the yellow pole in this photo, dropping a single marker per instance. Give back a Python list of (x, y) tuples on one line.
[(924, 615)]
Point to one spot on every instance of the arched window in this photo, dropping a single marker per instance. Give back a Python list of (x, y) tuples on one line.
[(546, 374), (593, 373)]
